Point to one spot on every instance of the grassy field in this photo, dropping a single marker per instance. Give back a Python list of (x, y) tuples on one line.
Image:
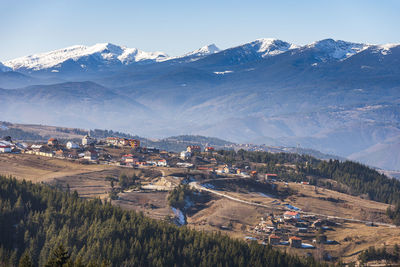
[(87, 180)]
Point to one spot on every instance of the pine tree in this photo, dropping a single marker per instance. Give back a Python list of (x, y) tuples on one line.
[(25, 261), (59, 258)]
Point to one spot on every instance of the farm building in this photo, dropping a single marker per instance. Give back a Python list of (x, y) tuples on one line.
[(295, 242), (193, 149), (274, 239), (291, 215)]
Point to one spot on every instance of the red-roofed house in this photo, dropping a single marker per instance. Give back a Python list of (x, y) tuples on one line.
[(271, 176), (291, 215), (295, 242), (52, 142), (129, 159)]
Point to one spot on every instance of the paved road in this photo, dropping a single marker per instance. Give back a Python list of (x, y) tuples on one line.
[(202, 188)]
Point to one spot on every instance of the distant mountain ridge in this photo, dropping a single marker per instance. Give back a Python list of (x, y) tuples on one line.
[(101, 54), (110, 54), (338, 97)]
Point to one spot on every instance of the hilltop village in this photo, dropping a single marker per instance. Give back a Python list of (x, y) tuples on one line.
[(125, 152), (128, 153), (156, 175)]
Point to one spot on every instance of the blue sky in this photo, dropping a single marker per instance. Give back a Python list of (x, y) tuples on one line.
[(176, 27)]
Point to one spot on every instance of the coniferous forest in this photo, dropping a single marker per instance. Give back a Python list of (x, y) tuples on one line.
[(42, 226)]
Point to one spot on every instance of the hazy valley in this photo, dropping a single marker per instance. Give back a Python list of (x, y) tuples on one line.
[(337, 97)]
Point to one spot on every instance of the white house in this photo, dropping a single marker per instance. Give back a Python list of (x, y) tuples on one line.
[(162, 163), (71, 145), (36, 146), (5, 148), (87, 140), (185, 155), (291, 215), (91, 155)]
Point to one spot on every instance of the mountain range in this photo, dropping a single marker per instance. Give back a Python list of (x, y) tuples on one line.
[(334, 96)]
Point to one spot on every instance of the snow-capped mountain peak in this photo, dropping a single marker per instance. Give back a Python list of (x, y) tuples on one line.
[(337, 49), (197, 54), (202, 51), (270, 46), (103, 53), (206, 50), (131, 55)]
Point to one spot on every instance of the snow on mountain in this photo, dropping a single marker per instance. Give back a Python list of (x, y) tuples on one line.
[(4, 68), (131, 55), (271, 47), (197, 54), (204, 51), (248, 52), (106, 53), (262, 48), (385, 48), (337, 49)]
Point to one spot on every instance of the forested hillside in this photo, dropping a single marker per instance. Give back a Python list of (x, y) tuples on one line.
[(43, 226)]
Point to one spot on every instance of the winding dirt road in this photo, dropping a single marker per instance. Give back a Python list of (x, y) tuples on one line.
[(197, 186)]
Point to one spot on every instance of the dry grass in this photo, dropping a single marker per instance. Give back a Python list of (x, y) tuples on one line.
[(222, 212), (153, 204), (316, 200), (87, 180), (353, 238), (40, 169)]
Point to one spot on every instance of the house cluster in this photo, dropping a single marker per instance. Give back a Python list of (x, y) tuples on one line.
[(246, 172), (228, 169), (261, 148), (194, 149), (71, 150), (121, 142), (141, 161), (291, 229), (8, 146), (5, 147)]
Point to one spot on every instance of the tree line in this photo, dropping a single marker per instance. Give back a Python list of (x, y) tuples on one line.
[(379, 254)]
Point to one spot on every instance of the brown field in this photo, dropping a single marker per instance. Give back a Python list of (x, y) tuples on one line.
[(317, 201), (152, 204), (353, 238), (87, 180), (221, 212), (38, 169)]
